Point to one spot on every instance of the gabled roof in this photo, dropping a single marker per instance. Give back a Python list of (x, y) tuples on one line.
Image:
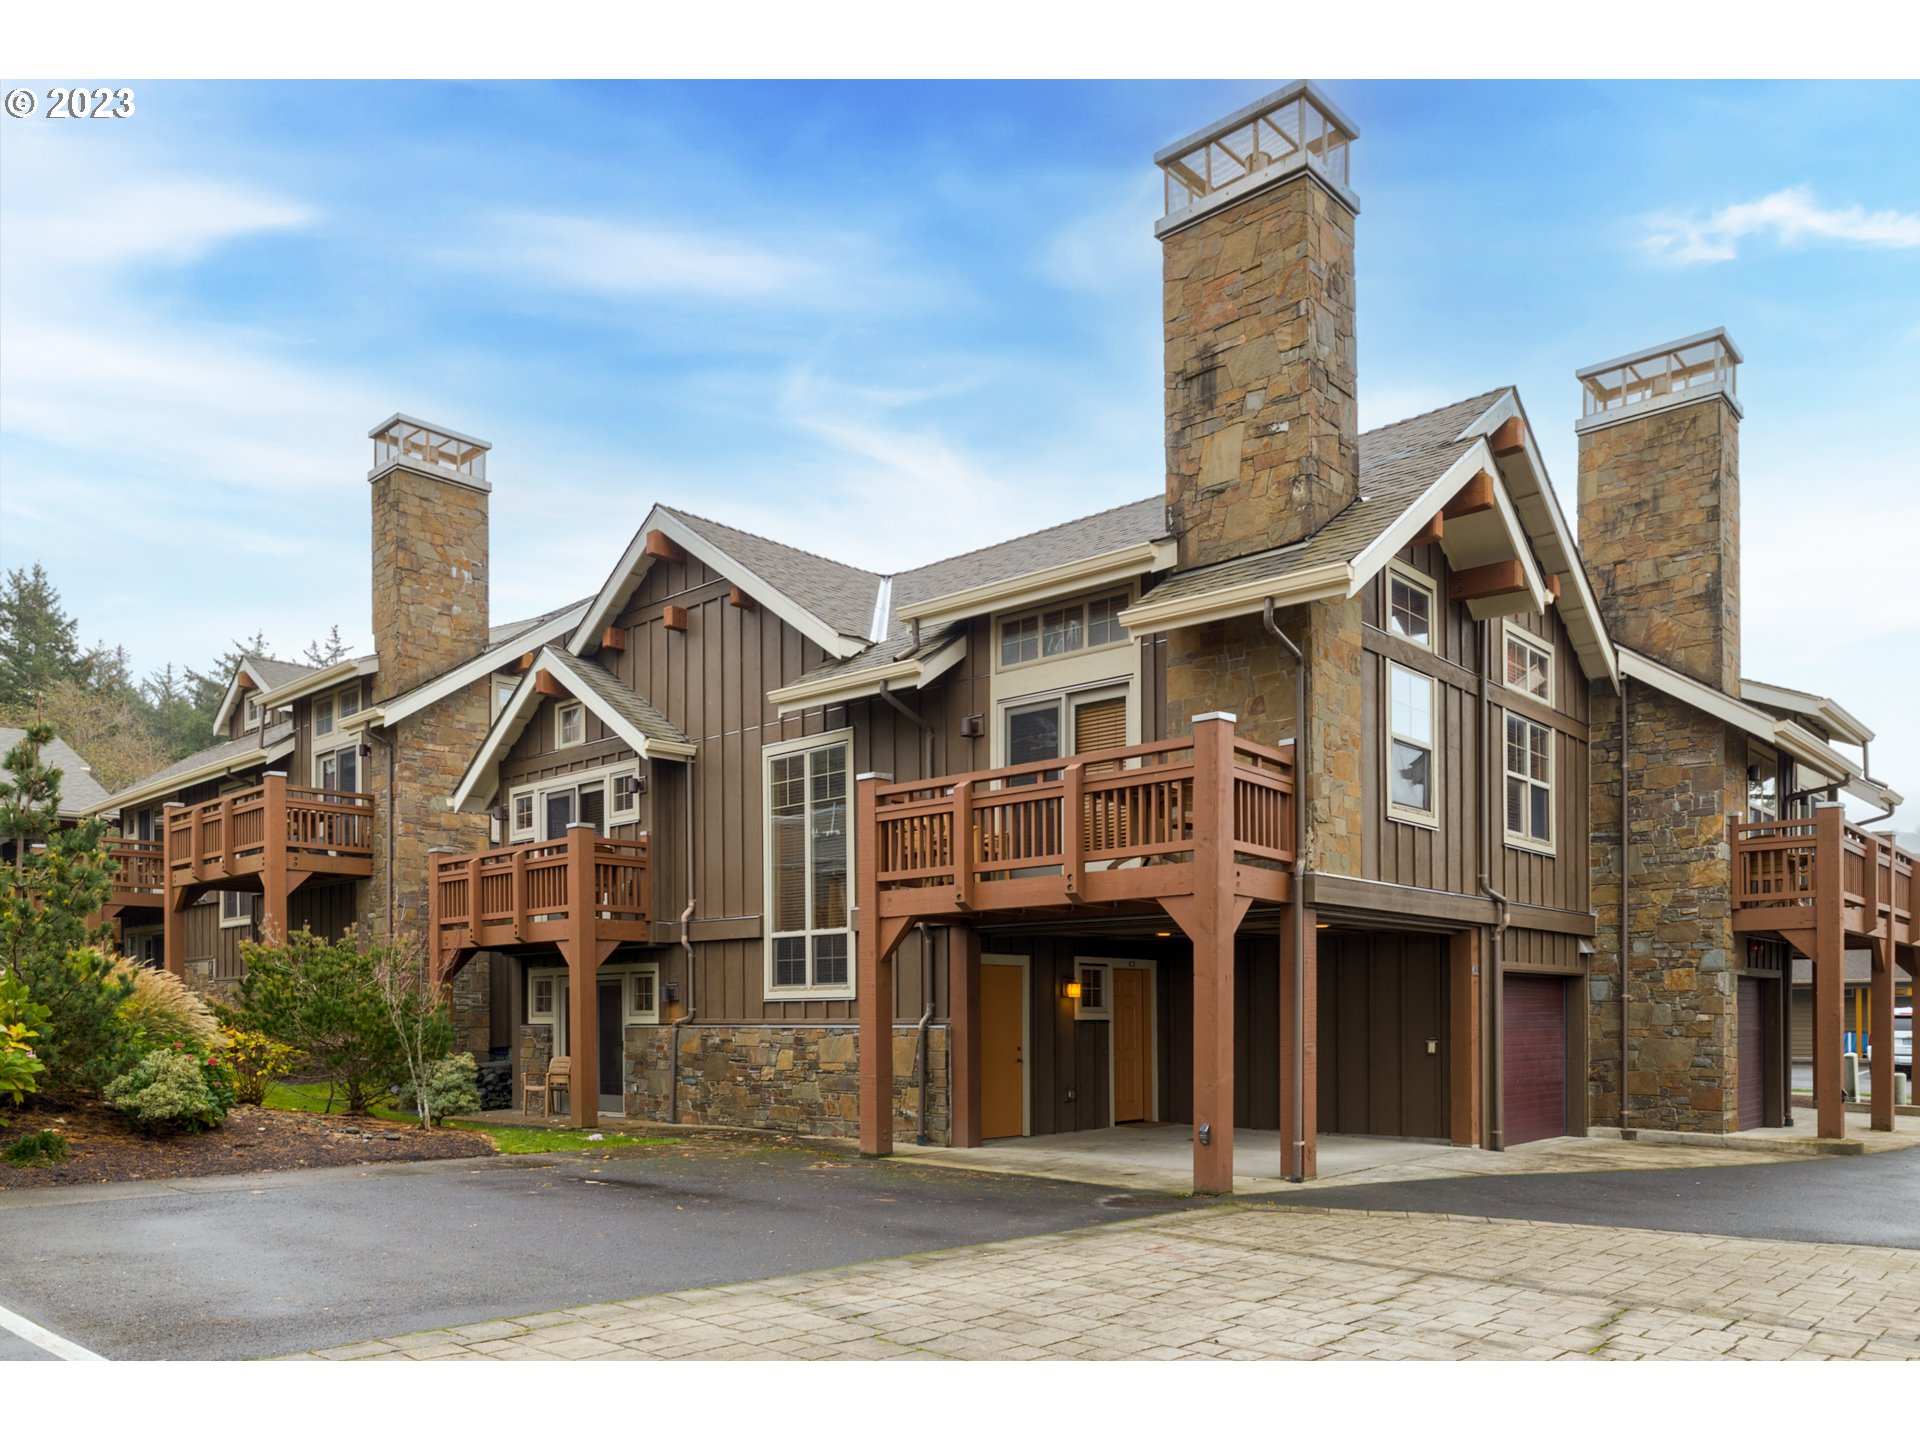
[(644, 729), (314, 681), (1832, 716), (895, 664), (80, 794), (266, 673), (250, 750), (504, 643), (833, 605)]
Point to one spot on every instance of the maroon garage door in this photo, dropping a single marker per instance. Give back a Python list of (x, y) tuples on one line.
[(1534, 1065), (1752, 1057)]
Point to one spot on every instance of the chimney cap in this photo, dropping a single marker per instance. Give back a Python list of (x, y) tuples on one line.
[(436, 450), (1294, 129), (1678, 372)]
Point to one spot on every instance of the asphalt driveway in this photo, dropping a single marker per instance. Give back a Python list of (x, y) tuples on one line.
[(243, 1266), (1856, 1200)]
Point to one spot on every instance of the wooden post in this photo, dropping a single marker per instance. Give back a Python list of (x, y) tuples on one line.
[(583, 978), (964, 850), (1880, 1017), (1310, 1067), (196, 843), (1073, 834), (963, 1049), (1829, 964), (516, 892), (1464, 1079), (875, 939), (173, 928), (1211, 917), (273, 862), (436, 945)]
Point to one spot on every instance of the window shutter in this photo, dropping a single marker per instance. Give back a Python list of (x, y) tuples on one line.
[(1100, 725)]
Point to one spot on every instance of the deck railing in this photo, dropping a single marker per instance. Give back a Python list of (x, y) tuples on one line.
[(1088, 815), (247, 831), (544, 891), (140, 871), (1777, 870)]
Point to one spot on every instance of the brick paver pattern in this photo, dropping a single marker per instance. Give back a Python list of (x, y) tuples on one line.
[(1259, 1283)]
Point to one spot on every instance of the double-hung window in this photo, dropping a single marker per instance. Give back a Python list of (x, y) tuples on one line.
[(1529, 745), (1410, 605), (569, 724), (1412, 772), (810, 866)]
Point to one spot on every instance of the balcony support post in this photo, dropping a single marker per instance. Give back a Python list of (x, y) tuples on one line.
[(1310, 1069), (1880, 1021), (1211, 918), (876, 937), (583, 978), (173, 928), (1829, 961), (963, 1011), (274, 882)]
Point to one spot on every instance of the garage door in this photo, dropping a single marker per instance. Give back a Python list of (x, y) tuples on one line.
[(1383, 1035), (1752, 1055), (1534, 1065)]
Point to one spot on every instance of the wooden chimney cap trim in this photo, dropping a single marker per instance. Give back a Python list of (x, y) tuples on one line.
[(662, 547), (674, 617)]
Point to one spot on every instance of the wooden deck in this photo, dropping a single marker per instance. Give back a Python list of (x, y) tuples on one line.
[(246, 833), (531, 895), (139, 875)]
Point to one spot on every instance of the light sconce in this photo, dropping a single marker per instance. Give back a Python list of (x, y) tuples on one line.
[(1070, 990), (1163, 934)]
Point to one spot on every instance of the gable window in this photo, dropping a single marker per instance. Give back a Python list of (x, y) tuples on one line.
[(1411, 779), (1529, 666), (236, 908), (569, 724), (1529, 783), (1410, 605), (810, 866), (503, 688), (1062, 629), (252, 712)]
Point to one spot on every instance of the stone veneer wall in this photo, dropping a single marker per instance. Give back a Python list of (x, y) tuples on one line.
[(1262, 432), (1684, 779), (1236, 666), (1660, 531)]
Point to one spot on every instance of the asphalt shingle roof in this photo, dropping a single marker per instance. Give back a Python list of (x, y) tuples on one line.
[(275, 673), (79, 791), (249, 749), (843, 596), (612, 692)]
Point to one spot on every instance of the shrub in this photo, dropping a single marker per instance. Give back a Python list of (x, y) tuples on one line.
[(41, 1148), (453, 1088), (20, 1019), (174, 1089), (257, 1060), (161, 1009)]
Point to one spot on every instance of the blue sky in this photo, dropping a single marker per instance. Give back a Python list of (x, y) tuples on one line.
[(892, 321)]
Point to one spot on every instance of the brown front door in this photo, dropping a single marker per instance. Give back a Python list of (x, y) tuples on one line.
[(1752, 1056), (1003, 1059), (1130, 1039)]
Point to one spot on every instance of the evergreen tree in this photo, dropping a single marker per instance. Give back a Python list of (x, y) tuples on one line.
[(328, 651), (176, 721), (206, 689), (30, 793), (38, 639)]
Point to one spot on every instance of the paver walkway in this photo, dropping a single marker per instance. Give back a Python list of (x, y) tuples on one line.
[(1260, 1283)]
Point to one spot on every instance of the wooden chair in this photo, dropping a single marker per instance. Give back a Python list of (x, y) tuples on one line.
[(559, 1077)]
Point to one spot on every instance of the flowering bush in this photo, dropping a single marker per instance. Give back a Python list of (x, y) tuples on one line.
[(178, 1087), (257, 1060), (20, 1020)]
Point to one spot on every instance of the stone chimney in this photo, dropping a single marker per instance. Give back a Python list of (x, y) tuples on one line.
[(1660, 502), (1257, 249), (429, 550)]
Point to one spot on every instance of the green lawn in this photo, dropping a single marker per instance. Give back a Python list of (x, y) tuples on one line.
[(507, 1139)]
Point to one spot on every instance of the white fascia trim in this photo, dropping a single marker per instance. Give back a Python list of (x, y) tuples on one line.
[(831, 689), (1829, 712), (211, 771), (1567, 562), (841, 647), (232, 697), (1323, 582), (646, 748), (1036, 586), (631, 567), (485, 663), (319, 680)]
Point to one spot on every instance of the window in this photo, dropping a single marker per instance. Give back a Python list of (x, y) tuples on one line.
[(1064, 629), (1410, 605), (1093, 1003), (338, 769), (236, 908), (809, 867), (643, 997), (1411, 782), (1075, 723), (1529, 666), (1763, 784), (626, 795), (569, 724), (523, 816), (347, 701), (503, 688), (252, 713), (1529, 782), (541, 1002), (323, 715)]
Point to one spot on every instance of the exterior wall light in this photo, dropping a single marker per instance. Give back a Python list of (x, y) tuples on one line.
[(1071, 990)]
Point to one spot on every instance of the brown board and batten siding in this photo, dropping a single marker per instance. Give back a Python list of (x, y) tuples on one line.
[(327, 910), (1447, 855)]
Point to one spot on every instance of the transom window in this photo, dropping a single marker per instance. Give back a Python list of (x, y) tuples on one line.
[(1529, 666), (1063, 630), (810, 868), (1410, 606), (569, 724), (1411, 781), (1529, 782)]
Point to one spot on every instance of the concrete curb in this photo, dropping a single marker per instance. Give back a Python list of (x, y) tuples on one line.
[(1811, 1145)]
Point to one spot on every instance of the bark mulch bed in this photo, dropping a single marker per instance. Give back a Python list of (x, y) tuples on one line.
[(102, 1148)]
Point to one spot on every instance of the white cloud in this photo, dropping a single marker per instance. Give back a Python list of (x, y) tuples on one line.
[(1793, 217)]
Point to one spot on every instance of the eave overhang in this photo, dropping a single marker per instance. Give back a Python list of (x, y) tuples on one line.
[(910, 674), (1332, 581), (1039, 586), (213, 770)]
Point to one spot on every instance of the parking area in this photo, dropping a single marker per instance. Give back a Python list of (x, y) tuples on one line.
[(243, 1266)]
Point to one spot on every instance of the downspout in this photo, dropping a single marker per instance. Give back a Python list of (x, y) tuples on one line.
[(686, 948), (1496, 1042), (926, 1018), (1297, 1161)]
